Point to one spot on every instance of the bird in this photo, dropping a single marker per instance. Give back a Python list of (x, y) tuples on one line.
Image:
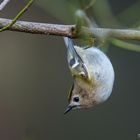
[(93, 76)]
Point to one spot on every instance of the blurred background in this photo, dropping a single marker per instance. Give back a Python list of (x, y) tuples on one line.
[(35, 79)]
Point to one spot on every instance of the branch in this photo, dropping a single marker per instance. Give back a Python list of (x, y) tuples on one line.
[(125, 45), (69, 30), (38, 28), (3, 4)]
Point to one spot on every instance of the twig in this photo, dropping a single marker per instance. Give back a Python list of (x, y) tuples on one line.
[(3, 4), (17, 16), (68, 30), (125, 45), (38, 28)]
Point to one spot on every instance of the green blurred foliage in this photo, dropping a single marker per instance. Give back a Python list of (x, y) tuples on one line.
[(101, 13)]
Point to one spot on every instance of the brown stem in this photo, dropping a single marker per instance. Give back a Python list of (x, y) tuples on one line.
[(68, 30)]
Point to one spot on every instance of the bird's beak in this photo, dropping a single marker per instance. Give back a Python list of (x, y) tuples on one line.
[(69, 108)]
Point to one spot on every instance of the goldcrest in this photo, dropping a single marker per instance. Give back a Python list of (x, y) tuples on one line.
[(93, 76)]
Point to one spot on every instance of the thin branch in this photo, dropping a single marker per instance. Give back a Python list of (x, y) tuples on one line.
[(69, 30), (125, 45), (38, 28), (3, 4), (18, 16)]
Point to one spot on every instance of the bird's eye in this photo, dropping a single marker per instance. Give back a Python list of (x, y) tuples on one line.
[(82, 74), (76, 99)]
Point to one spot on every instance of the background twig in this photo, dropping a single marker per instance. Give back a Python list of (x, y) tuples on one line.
[(17, 16), (3, 4)]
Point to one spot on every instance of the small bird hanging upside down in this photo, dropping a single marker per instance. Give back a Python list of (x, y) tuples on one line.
[(93, 76)]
